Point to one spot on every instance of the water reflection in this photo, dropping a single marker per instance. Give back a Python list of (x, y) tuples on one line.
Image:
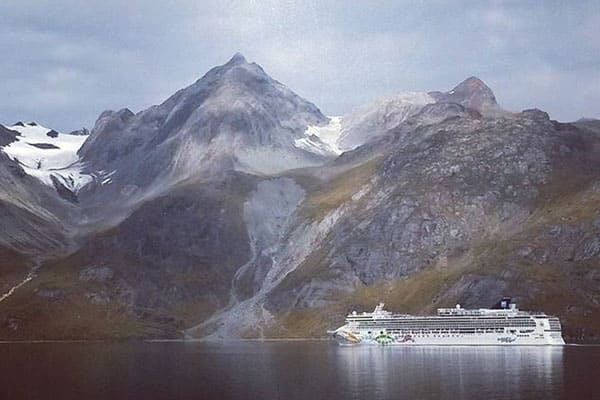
[(294, 370), (452, 372)]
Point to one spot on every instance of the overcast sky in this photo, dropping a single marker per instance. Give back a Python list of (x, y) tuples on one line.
[(64, 62)]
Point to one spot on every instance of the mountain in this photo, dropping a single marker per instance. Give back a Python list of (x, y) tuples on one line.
[(380, 116), (7, 136), (47, 155), (461, 210), (34, 218), (472, 93), (235, 118), (39, 171), (589, 124), (373, 120), (237, 209)]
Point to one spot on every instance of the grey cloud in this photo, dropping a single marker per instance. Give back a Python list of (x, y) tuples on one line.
[(66, 61)]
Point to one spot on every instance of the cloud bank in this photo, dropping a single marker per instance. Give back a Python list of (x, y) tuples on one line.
[(66, 61)]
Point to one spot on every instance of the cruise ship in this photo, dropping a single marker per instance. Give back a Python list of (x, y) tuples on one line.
[(503, 324)]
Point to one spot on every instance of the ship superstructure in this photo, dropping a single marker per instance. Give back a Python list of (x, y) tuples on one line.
[(504, 324)]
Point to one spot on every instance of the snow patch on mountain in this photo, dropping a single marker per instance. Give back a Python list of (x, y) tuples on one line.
[(44, 152), (106, 178), (363, 124), (322, 139)]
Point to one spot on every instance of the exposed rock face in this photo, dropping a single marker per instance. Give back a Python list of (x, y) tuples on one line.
[(98, 274), (472, 93), (50, 293), (80, 132), (206, 220), (30, 212), (7, 136), (589, 124)]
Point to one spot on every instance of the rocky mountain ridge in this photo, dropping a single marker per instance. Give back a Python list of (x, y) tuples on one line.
[(235, 118)]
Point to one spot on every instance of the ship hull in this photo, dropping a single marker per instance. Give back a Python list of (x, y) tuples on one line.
[(453, 340)]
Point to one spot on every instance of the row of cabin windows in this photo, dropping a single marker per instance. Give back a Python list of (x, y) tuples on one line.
[(446, 321), (488, 330), (453, 325), (440, 332)]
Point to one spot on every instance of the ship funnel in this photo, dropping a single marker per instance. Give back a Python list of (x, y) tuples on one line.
[(503, 304)]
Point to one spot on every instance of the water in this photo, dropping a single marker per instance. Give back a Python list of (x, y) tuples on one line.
[(294, 370)]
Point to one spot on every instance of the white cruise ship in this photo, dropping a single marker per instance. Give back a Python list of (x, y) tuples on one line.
[(504, 324)]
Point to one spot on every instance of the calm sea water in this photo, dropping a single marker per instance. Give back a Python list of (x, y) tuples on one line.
[(294, 370)]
